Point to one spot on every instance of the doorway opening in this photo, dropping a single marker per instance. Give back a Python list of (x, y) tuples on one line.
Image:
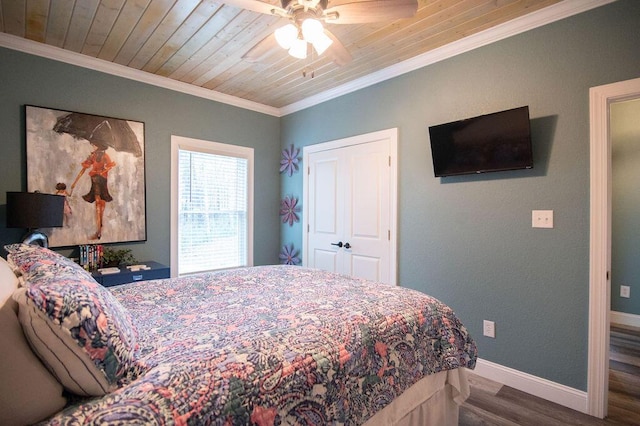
[(600, 99)]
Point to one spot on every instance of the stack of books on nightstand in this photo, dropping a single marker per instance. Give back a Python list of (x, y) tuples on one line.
[(90, 256)]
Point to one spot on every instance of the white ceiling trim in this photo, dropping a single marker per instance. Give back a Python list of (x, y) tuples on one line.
[(517, 26), (533, 20), (73, 58)]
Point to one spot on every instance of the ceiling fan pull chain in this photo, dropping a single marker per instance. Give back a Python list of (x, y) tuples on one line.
[(309, 70)]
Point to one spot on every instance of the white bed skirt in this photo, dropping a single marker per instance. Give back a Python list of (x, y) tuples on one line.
[(434, 400)]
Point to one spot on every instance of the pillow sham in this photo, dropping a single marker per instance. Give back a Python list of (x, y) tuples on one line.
[(29, 392), (27, 258), (78, 329)]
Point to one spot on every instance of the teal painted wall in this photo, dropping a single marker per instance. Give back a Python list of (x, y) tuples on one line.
[(625, 219), (27, 79), (468, 240)]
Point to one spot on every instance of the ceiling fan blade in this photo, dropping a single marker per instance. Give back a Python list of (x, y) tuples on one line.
[(361, 12), (264, 46), (257, 6), (337, 51)]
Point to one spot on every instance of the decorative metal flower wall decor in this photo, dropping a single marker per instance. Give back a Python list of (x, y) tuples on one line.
[(289, 255), (289, 210), (290, 160)]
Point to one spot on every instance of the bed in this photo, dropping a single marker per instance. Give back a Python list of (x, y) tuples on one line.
[(265, 345)]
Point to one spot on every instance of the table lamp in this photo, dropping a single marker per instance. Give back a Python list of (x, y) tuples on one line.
[(34, 210)]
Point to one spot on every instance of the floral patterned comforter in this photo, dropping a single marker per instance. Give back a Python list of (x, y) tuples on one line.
[(275, 345)]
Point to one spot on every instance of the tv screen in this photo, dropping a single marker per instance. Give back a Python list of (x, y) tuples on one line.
[(487, 143)]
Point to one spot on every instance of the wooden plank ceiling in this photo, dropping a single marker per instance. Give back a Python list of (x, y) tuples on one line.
[(201, 42)]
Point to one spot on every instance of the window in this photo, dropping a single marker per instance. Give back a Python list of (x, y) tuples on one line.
[(211, 206)]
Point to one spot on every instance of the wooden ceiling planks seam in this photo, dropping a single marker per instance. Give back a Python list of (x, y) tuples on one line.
[(58, 23), (164, 32), (15, 20), (194, 50), (36, 13)]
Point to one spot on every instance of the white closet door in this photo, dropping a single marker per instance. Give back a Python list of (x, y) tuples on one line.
[(366, 212), (349, 210), (326, 210)]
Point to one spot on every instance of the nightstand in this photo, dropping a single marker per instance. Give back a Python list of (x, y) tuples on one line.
[(125, 276)]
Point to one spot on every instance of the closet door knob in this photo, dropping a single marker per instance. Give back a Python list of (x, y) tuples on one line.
[(339, 244), (347, 246)]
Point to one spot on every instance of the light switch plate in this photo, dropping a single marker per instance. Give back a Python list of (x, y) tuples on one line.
[(489, 328), (625, 291), (542, 218)]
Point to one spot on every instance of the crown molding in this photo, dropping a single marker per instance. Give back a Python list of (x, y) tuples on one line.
[(73, 58), (528, 22), (533, 20)]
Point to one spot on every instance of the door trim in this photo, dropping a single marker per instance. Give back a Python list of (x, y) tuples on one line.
[(600, 98), (392, 136)]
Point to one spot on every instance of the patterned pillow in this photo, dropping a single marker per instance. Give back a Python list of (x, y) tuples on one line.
[(28, 392), (77, 328), (26, 258)]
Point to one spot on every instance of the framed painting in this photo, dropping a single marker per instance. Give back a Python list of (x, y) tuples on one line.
[(98, 164)]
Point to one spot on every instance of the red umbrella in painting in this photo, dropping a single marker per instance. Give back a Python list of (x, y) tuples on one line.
[(102, 133)]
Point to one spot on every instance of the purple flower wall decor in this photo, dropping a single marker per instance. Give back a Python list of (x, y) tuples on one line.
[(289, 210), (289, 161), (289, 255)]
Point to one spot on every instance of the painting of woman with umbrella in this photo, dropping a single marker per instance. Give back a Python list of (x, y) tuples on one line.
[(100, 164), (107, 150)]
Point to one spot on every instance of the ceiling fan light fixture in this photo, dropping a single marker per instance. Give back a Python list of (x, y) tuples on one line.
[(312, 30), (286, 36), (322, 43), (298, 49)]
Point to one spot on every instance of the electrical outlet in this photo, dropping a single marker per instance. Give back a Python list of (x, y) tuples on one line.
[(542, 218), (489, 328), (625, 291)]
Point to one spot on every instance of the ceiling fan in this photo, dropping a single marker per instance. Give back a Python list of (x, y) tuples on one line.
[(305, 26)]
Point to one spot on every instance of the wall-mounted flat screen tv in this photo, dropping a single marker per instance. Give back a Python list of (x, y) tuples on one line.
[(487, 143)]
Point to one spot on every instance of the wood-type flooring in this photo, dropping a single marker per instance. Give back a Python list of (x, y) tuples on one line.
[(492, 403)]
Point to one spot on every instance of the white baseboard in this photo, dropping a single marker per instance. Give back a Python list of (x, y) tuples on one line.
[(542, 388), (625, 319)]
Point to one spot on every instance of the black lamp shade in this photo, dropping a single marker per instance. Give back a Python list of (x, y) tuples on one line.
[(34, 210)]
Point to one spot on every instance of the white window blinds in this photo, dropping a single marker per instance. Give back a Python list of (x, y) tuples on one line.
[(212, 211)]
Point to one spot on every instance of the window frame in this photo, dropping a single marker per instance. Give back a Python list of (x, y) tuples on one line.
[(216, 148)]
